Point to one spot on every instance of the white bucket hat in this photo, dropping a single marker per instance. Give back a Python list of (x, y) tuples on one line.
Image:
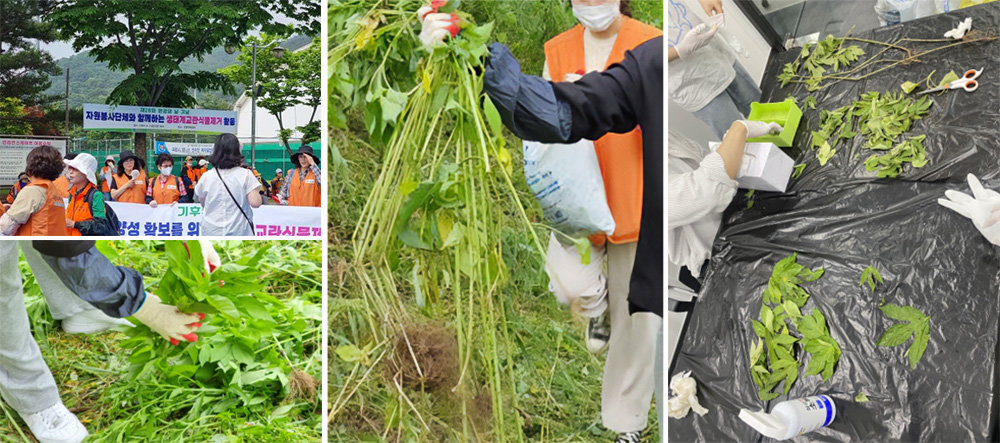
[(86, 164)]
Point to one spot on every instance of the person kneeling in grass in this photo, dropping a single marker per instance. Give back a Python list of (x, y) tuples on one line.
[(86, 213), (38, 208)]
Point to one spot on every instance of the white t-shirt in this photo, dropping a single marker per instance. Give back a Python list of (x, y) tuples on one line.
[(695, 80), (220, 215), (698, 191)]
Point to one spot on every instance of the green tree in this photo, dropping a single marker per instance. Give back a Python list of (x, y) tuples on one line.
[(13, 117), (150, 40), (283, 82), (25, 70)]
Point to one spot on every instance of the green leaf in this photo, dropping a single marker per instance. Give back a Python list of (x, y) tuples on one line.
[(349, 353), (825, 153), (798, 170), (224, 305), (869, 276), (896, 335), (919, 345), (861, 397), (583, 248), (908, 87), (902, 313), (948, 78), (810, 102), (492, 117)]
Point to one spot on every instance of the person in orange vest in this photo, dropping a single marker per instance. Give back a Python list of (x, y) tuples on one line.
[(166, 188), (22, 181), (62, 183), (303, 183), (605, 31), (190, 173), (38, 208), (128, 185), (86, 213), (107, 171), (277, 183)]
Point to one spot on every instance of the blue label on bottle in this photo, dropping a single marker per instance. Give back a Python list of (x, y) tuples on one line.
[(829, 409)]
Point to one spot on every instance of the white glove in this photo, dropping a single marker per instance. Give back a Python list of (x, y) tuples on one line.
[(210, 256), (434, 27), (697, 37), (983, 208), (168, 321), (758, 129)]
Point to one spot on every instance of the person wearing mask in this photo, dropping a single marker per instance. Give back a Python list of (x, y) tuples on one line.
[(22, 181), (128, 185), (625, 95), (166, 188), (39, 208), (606, 30), (228, 192), (26, 383), (107, 171), (86, 213), (190, 174), (705, 78), (303, 184)]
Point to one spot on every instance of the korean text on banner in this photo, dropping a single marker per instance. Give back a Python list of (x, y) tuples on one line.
[(184, 219)]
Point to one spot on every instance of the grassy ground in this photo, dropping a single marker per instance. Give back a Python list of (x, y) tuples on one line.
[(92, 370), (557, 380)]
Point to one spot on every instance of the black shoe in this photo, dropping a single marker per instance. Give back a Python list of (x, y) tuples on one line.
[(598, 334), (629, 437)]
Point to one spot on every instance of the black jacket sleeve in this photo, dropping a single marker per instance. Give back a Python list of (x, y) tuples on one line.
[(116, 290), (536, 109)]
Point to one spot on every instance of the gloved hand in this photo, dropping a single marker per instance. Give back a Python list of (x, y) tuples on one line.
[(983, 208), (168, 321), (694, 39), (210, 256), (435, 26), (758, 129)]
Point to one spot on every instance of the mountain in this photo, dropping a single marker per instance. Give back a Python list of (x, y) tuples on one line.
[(91, 81)]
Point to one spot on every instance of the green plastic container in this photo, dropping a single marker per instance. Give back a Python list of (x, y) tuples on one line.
[(785, 113)]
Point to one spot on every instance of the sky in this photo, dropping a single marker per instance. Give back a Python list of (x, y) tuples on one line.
[(65, 49)]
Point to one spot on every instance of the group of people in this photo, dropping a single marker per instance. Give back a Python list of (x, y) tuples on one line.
[(61, 196)]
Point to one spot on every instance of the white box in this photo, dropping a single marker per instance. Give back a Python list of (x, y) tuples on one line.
[(765, 167)]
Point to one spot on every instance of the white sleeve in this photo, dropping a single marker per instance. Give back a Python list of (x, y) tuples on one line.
[(250, 182), (691, 196)]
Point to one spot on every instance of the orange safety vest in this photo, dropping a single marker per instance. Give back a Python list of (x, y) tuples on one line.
[(137, 194), (105, 186), (619, 155), (78, 209), (13, 192), (165, 194), (62, 184), (303, 192), (51, 218), (194, 174)]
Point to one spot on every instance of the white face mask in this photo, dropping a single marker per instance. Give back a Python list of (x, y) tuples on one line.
[(166, 170), (597, 18)]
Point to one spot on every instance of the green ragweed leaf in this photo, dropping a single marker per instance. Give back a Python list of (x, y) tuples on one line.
[(916, 325), (869, 276)]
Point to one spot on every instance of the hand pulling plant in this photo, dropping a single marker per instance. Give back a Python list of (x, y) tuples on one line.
[(774, 357), (242, 361), (431, 216)]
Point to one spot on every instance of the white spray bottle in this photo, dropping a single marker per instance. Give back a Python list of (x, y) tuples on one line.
[(791, 418)]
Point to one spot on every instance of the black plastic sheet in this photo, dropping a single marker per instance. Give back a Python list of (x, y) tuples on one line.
[(843, 219)]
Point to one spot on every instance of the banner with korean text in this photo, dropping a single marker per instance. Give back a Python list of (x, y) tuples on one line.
[(184, 219), (156, 119)]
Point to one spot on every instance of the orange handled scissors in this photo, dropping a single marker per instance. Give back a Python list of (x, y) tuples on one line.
[(967, 82)]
